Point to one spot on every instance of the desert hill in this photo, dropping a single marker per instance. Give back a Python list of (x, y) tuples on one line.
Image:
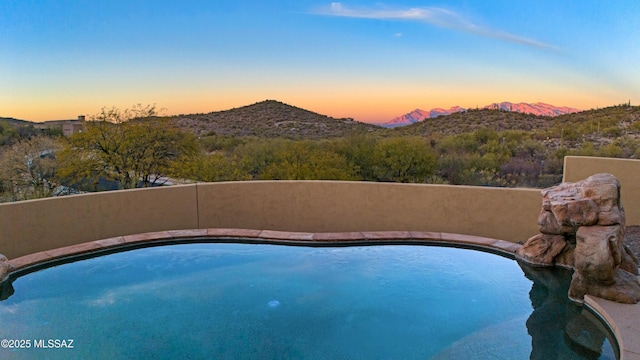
[(539, 108), (13, 121), (609, 122), (271, 119), (471, 120)]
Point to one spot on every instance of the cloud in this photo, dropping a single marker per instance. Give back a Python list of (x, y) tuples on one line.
[(435, 16)]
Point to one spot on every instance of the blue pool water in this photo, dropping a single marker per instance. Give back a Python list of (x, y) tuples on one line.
[(250, 301)]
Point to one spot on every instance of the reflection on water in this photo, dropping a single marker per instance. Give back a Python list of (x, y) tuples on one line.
[(272, 302), (6, 290), (559, 329)]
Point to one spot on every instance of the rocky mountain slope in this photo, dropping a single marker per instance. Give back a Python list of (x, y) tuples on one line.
[(13, 122), (472, 120), (419, 115), (539, 109), (593, 125), (271, 119)]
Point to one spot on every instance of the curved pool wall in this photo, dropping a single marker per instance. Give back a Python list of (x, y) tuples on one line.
[(40, 226)]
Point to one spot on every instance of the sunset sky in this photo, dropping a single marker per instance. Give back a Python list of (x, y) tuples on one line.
[(369, 60)]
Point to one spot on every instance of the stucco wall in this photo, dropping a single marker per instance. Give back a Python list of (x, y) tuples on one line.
[(320, 206), (626, 170), (312, 206), (37, 225)]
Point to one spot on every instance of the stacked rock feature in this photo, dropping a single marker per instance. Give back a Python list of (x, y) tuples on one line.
[(4, 268), (582, 226), (6, 288)]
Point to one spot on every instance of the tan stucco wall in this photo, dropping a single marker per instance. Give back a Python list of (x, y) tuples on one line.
[(37, 225), (626, 170), (313, 206), (320, 206)]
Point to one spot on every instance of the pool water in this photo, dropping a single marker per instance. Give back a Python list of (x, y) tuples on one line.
[(256, 301)]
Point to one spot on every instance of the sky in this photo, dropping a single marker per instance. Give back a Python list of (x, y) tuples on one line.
[(367, 60)]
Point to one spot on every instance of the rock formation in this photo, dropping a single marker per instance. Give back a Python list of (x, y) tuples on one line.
[(582, 226), (4, 268)]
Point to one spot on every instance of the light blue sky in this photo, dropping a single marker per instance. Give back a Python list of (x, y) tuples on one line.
[(362, 59)]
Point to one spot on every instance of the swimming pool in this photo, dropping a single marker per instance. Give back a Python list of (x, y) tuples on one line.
[(234, 301)]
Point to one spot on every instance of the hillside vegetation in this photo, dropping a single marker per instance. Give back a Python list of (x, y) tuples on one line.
[(272, 140), (271, 119), (601, 123), (472, 120)]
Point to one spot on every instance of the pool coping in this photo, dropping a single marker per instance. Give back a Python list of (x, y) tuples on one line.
[(622, 319)]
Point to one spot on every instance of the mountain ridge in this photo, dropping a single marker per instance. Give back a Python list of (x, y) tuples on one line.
[(271, 118), (538, 109), (14, 121), (274, 119)]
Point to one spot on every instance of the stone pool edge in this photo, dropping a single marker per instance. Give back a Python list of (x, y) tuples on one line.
[(622, 319), (501, 247)]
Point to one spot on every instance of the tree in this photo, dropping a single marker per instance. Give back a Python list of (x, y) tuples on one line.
[(359, 150), (308, 160), (116, 116), (216, 166), (280, 159), (7, 133), (405, 159), (133, 148), (28, 168)]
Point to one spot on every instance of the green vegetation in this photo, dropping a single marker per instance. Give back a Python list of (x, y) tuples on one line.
[(135, 148), (132, 148), (12, 131), (271, 119)]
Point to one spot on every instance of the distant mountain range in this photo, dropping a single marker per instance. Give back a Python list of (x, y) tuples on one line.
[(274, 119), (539, 109)]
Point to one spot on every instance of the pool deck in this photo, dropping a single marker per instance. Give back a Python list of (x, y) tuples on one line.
[(623, 319)]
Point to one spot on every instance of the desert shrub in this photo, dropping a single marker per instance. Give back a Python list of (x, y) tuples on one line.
[(458, 144), (612, 131), (403, 159), (611, 150)]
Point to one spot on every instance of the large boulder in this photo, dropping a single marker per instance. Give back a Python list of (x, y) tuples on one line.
[(542, 249), (624, 289), (598, 252), (593, 201), (582, 226), (5, 267)]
